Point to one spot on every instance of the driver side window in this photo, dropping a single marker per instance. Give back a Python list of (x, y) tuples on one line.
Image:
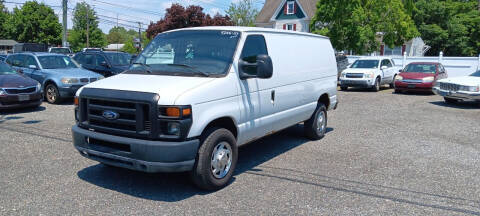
[(99, 60), (254, 45)]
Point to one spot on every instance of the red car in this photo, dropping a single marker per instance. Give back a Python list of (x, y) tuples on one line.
[(419, 76)]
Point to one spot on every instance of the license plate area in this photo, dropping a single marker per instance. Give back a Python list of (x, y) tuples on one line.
[(412, 85), (23, 97)]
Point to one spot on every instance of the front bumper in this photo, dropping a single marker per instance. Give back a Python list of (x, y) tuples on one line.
[(365, 83), (461, 95), (68, 91), (14, 101), (136, 154), (410, 86)]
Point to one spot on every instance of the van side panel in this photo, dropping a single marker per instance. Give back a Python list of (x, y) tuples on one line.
[(304, 69)]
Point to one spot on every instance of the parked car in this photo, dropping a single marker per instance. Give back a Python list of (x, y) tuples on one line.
[(29, 47), (59, 75), (61, 50), (369, 72), (465, 88), (105, 63), (419, 76), (192, 113), (342, 63), (17, 90), (3, 57)]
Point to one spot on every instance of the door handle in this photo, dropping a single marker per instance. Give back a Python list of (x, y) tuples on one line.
[(273, 96)]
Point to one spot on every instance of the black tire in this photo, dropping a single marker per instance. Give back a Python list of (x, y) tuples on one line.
[(344, 88), (376, 86), (52, 95), (397, 91), (450, 100), (392, 85), (311, 127), (202, 174)]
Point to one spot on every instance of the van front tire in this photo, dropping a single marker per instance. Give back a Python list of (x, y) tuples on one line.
[(216, 159), (316, 127)]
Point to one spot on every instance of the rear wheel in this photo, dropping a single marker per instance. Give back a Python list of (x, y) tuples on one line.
[(52, 94), (344, 88), (216, 159), (450, 100), (316, 127)]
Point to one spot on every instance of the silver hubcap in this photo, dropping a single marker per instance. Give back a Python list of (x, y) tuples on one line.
[(321, 122), (221, 160), (51, 94)]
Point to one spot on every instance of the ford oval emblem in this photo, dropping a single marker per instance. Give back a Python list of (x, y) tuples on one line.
[(110, 115)]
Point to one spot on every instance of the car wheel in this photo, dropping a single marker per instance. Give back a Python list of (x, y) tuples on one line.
[(52, 94), (316, 127), (450, 100), (216, 159), (397, 91), (392, 85), (344, 88), (376, 86)]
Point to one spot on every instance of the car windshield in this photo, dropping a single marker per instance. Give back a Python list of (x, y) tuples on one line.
[(476, 74), (60, 50), (56, 62), (6, 70), (118, 58), (365, 64), (420, 68), (188, 53)]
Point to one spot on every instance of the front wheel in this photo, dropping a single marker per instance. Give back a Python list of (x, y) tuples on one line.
[(344, 88), (52, 94), (376, 86), (216, 159), (316, 127), (392, 85)]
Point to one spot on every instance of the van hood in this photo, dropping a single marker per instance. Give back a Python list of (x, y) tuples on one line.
[(359, 70), (168, 87), (463, 80)]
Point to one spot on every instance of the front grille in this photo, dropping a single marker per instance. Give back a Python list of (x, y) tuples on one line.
[(84, 80), (449, 87), (354, 75), (133, 117), (21, 90)]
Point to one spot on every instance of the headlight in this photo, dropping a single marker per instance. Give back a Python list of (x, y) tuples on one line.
[(173, 128), (175, 111), (369, 75), (39, 87), (473, 88), (70, 80), (398, 78), (101, 77), (428, 79), (2, 92), (436, 85)]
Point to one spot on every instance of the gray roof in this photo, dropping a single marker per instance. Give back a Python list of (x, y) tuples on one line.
[(7, 42), (270, 6)]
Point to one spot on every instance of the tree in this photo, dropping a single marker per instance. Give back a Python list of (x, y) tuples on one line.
[(117, 35), (35, 23), (4, 18), (129, 47), (243, 13), (449, 26), (82, 15), (356, 24), (178, 16)]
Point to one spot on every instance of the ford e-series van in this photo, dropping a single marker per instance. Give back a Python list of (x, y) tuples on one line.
[(194, 95)]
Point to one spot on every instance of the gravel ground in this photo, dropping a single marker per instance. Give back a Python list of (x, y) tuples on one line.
[(384, 154)]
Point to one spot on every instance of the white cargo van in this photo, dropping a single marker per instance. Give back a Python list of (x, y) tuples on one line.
[(193, 96)]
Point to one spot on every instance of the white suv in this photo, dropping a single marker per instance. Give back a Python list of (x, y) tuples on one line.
[(193, 96), (370, 72)]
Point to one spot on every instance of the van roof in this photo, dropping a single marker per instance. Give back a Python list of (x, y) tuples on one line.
[(250, 29)]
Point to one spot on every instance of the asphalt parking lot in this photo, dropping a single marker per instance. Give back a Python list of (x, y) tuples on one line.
[(384, 154)]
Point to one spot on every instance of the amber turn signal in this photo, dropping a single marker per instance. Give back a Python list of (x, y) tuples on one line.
[(75, 101), (187, 111), (173, 112)]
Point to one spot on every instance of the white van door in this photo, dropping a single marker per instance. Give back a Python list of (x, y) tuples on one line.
[(256, 102)]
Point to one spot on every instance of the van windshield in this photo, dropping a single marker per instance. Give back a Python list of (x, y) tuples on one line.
[(188, 53)]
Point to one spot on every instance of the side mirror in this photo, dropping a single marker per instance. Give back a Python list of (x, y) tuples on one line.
[(104, 64), (384, 67), (263, 67), (33, 67)]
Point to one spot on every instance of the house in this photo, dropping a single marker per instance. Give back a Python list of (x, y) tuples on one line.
[(6, 46), (293, 15)]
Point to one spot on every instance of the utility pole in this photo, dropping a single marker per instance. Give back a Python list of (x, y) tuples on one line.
[(88, 28), (64, 36), (139, 37)]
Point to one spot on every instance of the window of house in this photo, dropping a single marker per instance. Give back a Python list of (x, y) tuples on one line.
[(290, 27), (290, 7), (254, 45)]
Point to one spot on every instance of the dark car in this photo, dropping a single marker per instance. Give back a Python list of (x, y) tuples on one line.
[(105, 63), (17, 90), (29, 47), (419, 76), (3, 57)]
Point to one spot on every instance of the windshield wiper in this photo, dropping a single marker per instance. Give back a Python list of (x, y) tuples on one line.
[(145, 66), (193, 69)]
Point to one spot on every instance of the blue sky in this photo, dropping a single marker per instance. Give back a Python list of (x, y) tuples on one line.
[(129, 11)]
